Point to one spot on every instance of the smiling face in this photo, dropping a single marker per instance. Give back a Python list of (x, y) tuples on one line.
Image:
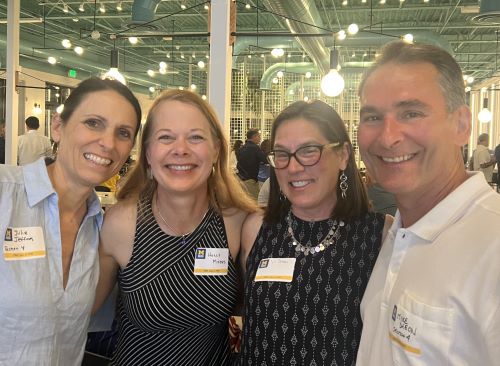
[(181, 149), (96, 140), (312, 190), (408, 139)]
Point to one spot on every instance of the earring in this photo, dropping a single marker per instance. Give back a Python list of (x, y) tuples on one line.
[(343, 184), (282, 197), (149, 173)]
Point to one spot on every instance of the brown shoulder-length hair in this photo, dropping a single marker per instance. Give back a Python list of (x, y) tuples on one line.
[(224, 190), (332, 127)]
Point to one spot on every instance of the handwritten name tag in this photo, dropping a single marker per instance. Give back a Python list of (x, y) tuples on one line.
[(22, 243), (211, 261), (275, 269)]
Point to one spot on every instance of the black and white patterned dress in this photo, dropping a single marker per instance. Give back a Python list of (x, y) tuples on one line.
[(315, 319), (169, 316)]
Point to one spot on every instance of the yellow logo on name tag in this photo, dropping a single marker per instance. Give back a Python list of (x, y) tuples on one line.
[(211, 261), (22, 243), (275, 269)]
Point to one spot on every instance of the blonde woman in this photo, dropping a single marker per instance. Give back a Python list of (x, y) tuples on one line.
[(173, 239)]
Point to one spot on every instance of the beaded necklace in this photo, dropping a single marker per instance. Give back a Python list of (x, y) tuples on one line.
[(325, 243)]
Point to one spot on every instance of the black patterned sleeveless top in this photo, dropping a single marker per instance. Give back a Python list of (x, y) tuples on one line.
[(315, 319), (167, 315)]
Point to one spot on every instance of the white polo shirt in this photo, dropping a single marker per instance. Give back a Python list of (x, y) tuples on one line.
[(434, 295)]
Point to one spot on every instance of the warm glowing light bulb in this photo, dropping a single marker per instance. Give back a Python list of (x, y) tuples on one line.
[(332, 83)]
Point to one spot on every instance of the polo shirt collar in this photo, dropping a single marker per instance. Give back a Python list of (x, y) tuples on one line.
[(449, 210)]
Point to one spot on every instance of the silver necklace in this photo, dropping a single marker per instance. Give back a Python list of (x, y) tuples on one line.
[(325, 243), (183, 236)]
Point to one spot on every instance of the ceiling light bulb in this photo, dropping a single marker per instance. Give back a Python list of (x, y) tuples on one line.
[(132, 40), (484, 116), (204, 97), (247, 6), (275, 80), (382, 2), (102, 8), (119, 6), (193, 55), (344, 3), (201, 64), (65, 8), (152, 89), (308, 74), (280, 74), (95, 34), (353, 29), (66, 43), (182, 55), (75, 20), (470, 79), (151, 73), (468, 89), (206, 7), (81, 8), (249, 56), (408, 38), (163, 65), (207, 56), (341, 35), (114, 74), (277, 52), (306, 98), (181, 88), (162, 71), (183, 7), (52, 60), (193, 86), (332, 83), (60, 108), (78, 50), (168, 54)]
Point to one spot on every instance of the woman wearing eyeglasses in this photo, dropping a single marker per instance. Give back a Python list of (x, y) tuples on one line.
[(309, 257)]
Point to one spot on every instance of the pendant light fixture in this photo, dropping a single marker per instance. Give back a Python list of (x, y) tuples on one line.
[(333, 83), (113, 72), (485, 115)]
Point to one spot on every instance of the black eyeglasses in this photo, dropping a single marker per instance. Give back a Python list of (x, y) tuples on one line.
[(305, 156)]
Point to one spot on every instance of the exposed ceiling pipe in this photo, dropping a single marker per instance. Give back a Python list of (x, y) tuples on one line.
[(302, 68), (368, 39), (305, 13), (489, 12), (295, 67)]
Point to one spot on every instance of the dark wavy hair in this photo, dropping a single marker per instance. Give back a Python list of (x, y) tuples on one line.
[(95, 84), (332, 127)]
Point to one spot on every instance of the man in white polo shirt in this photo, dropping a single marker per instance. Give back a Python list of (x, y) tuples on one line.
[(434, 294)]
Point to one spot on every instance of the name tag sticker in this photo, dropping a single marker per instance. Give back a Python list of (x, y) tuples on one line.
[(22, 243), (404, 330), (211, 261), (275, 269)]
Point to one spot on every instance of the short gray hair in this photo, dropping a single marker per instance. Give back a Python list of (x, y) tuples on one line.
[(450, 73)]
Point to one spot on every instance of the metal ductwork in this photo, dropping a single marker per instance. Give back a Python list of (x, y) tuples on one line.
[(376, 40), (296, 67), (306, 13), (143, 11), (489, 12)]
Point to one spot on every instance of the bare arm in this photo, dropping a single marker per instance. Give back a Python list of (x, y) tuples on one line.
[(115, 247), (249, 232)]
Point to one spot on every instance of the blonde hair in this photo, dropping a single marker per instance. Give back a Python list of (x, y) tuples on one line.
[(224, 190)]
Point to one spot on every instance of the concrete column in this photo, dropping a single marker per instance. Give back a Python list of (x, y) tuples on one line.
[(219, 76), (12, 97)]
